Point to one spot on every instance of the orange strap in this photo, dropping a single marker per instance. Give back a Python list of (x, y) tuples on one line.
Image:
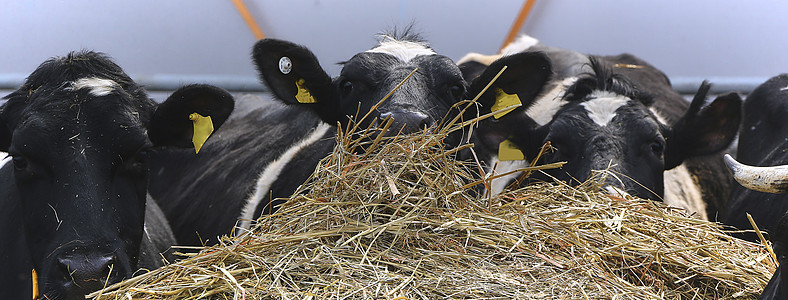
[(518, 23), (239, 4)]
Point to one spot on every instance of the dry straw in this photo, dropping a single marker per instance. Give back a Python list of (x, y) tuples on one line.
[(397, 221)]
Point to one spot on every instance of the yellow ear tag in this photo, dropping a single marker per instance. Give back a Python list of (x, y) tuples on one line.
[(35, 284), (304, 96), (504, 100), (508, 151), (203, 127)]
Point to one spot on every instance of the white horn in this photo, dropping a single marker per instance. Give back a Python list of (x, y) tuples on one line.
[(762, 179)]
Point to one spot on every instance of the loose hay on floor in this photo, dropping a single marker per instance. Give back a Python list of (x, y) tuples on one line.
[(396, 223)]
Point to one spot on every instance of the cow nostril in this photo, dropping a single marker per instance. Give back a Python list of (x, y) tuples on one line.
[(424, 123)]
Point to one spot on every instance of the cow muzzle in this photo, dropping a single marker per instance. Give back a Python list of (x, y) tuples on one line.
[(77, 274), (762, 179), (408, 121)]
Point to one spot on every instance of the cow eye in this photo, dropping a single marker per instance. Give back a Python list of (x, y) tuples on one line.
[(457, 90), (136, 166), (657, 147), (141, 159), (20, 163), (346, 87)]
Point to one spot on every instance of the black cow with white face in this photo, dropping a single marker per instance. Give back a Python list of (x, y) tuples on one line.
[(763, 154), (619, 114), (269, 148), (73, 196)]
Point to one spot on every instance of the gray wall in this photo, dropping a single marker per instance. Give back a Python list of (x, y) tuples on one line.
[(736, 44)]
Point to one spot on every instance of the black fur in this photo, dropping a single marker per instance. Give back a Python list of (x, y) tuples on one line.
[(603, 78), (209, 191), (777, 288), (761, 143), (74, 194), (637, 145)]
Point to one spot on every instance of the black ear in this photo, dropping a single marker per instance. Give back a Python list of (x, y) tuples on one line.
[(294, 75), (10, 112), (173, 123), (471, 70), (525, 76), (5, 133), (703, 130)]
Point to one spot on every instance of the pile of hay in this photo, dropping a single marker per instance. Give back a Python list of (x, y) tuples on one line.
[(398, 222)]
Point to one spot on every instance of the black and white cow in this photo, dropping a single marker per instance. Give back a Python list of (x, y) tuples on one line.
[(618, 113), (763, 141), (73, 195), (269, 148)]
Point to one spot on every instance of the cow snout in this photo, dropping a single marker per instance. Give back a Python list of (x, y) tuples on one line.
[(408, 121), (82, 274)]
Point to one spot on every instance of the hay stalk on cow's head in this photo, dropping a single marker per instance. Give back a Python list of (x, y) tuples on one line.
[(398, 221)]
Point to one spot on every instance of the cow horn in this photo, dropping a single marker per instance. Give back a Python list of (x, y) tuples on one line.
[(762, 179)]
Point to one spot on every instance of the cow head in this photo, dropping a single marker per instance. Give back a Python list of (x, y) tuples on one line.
[(605, 122), (78, 131), (295, 77)]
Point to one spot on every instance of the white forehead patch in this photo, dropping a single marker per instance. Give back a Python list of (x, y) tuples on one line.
[(602, 108), (521, 44), (97, 86), (403, 50)]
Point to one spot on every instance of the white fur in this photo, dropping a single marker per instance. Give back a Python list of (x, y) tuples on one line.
[(602, 109), (403, 50), (616, 191), (271, 172), (478, 57), (521, 44), (656, 114), (783, 89), (542, 111), (499, 184), (98, 86), (681, 190), (4, 158), (544, 108)]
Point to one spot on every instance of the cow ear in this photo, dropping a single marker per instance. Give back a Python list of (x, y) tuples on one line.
[(9, 118), (188, 117), (471, 70), (5, 134), (524, 78), (294, 76), (703, 130)]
